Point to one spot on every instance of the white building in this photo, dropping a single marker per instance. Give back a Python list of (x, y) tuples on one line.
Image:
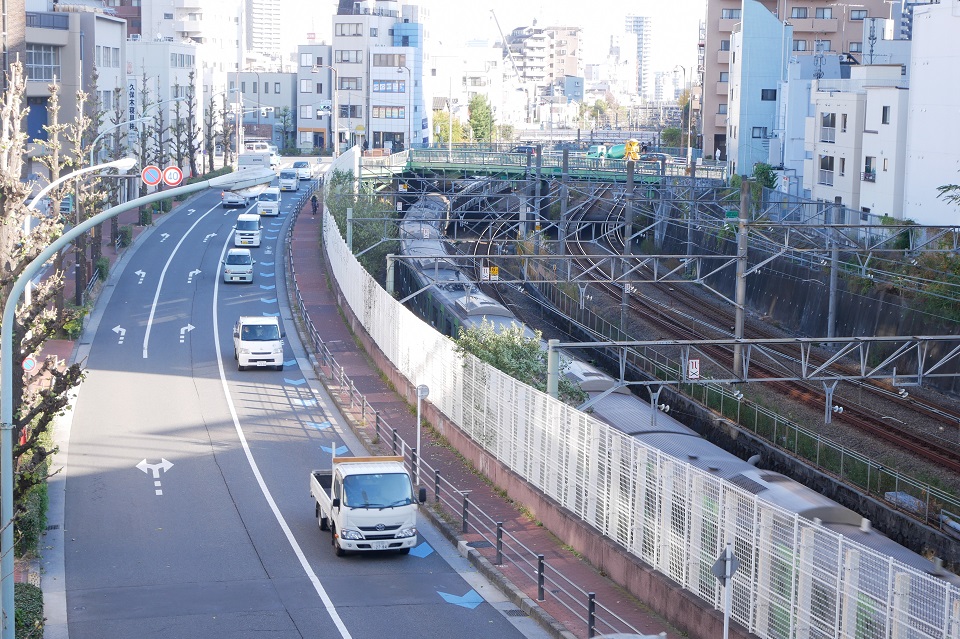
[(315, 108), (642, 28), (932, 158)]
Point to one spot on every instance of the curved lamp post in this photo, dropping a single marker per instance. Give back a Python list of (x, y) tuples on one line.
[(239, 180)]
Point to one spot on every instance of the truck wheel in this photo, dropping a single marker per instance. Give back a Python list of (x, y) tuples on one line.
[(321, 519), (337, 550)]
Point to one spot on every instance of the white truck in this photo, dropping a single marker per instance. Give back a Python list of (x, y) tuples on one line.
[(257, 159), (367, 503), (258, 342)]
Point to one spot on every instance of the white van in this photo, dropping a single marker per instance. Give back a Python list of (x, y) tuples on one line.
[(247, 230), (289, 180), (268, 202), (258, 341), (238, 266)]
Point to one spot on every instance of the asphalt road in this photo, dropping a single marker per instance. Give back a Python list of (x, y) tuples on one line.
[(187, 510)]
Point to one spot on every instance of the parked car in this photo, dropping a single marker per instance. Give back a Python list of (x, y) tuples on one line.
[(238, 265), (524, 148), (303, 170), (231, 199)]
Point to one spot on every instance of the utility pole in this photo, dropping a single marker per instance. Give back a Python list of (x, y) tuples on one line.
[(741, 290)]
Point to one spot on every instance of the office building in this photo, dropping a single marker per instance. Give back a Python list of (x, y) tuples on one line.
[(642, 28)]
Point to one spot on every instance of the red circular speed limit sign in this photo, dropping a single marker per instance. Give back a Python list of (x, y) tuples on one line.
[(172, 176), (151, 175)]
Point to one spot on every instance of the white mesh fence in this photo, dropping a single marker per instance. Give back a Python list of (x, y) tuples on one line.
[(796, 579)]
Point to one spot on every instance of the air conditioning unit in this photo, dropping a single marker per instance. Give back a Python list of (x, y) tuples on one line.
[(134, 37)]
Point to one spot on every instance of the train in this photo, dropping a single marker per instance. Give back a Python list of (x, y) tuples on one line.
[(449, 299)]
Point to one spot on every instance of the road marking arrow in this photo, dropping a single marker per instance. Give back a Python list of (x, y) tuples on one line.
[(271, 314), (306, 403), (163, 466), (268, 287), (266, 263), (422, 550), (339, 451), (142, 274), (267, 237), (190, 275), (208, 236), (268, 300), (164, 236), (295, 382), (191, 211), (320, 426), (183, 332), (470, 600), (119, 331), (267, 274), (290, 362)]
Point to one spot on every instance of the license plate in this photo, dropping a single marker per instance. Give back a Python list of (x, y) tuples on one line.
[(381, 545), (261, 363)]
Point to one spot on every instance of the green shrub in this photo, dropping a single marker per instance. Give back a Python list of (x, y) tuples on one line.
[(74, 324), (29, 527), (126, 236), (102, 266), (28, 605), (146, 215)]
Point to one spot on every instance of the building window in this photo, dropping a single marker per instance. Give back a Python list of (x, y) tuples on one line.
[(824, 45), (724, 76), (729, 14), (348, 29), (349, 84), (389, 60), (843, 123), (856, 47), (842, 169), (389, 112), (243, 87), (886, 163), (373, 32), (799, 45), (885, 115), (43, 62), (97, 57), (306, 86), (306, 112), (350, 111), (824, 13), (276, 88), (869, 169), (858, 14), (759, 132), (256, 87), (168, 16), (721, 109), (798, 12), (768, 95), (349, 57), (724, 45), (319, 87), (826, 170), (306, 60), (828, 127), (389, 86)]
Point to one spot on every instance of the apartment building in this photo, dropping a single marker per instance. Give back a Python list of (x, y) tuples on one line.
[(263, 27), (816, 28), (315, 119), (378, 55), (269, 106), (642, 28)]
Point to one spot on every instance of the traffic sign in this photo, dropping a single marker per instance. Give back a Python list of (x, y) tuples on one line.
[(151, 175), (693, 368), (29, 363), (172, 176)]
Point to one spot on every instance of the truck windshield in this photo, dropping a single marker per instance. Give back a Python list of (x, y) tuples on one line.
[(260, 333), (248, 225), (377, 490), (268, 197)]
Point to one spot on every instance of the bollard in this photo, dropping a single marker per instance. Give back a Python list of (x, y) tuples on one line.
[(591, 614), (499, 543), (436, 486), (466, 503), (395, 441), (539, 577)]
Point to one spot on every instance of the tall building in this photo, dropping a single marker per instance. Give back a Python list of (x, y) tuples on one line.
[(263, 27), (642, 27), (816, 29), (378, 56)]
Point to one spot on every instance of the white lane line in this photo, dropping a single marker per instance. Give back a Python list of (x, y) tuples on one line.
[(311, 575), (163, 273)]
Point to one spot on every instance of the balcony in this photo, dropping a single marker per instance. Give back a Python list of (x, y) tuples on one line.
[(723, 88), (723, 57), (720, 120), (728, 25), (188, 26), (868, 176), (828, 134), (813, 25)]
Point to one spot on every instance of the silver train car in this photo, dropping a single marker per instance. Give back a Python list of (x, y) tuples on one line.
[(449, 299)]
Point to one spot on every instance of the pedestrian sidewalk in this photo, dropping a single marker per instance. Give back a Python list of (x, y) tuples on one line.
[(311, 277)]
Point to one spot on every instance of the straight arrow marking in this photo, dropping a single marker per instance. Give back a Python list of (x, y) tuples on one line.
[(339, 451)]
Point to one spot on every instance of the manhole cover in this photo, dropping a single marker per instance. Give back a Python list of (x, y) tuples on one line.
[(516, 612)]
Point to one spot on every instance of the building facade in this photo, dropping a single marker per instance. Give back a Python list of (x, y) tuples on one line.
[(315, 119), (642, 28)]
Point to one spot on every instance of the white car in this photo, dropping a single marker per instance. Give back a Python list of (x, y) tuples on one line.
[(303, 170), (229, 199), (258, 341), (289, 180), (238, 265)]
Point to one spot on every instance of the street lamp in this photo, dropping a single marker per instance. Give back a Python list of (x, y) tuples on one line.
[(409, 90), (241, 180), (335, 118), (689, 87), (423, 391)]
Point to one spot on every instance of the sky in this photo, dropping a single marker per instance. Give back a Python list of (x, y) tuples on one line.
[(676, 22)]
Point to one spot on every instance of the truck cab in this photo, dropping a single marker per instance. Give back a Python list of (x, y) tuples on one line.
[(597, 151), (258, 342), (247, 230), (268, 202)]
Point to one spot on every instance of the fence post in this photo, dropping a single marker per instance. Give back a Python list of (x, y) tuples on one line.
[(436, 486), (466, 505), (591, 614), (376, 424), (499, 543), (395, 441), (413, 460), (539, 577)]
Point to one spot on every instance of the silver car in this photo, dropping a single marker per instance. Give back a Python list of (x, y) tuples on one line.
[(229, 199), (238, 265)]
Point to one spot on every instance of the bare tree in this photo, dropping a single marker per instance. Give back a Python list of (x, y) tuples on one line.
[(192, 126), (34, 409), (210, 137), (229, 126)]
